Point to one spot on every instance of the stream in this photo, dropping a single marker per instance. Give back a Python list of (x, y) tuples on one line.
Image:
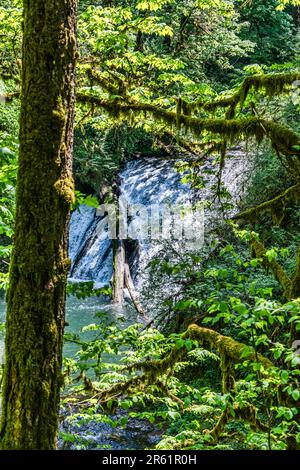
[(147, 182), (144, 182)]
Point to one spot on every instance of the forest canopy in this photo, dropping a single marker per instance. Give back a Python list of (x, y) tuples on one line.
[(211, 90)]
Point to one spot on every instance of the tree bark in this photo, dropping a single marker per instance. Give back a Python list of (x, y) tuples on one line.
[(132, 292), (45, 192), (118, 276)]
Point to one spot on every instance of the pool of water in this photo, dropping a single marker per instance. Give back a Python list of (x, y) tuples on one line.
[(79, 313), (137, 434)]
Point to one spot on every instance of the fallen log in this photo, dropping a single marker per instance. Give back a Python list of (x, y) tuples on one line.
[(132, 292), (119, 269)]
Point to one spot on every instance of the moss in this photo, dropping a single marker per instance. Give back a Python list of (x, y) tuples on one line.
[(227, 347), (229, 350), (121, 388), (59, 112), (259, 251), (273, 84), (38, 272), (245, 413), (275, 206), (228, 382), (295, 287), (66, 190), (283, 139), (178, 113), (113, 85)]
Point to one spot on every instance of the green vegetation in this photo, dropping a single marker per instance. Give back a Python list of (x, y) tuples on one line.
[(216, 368)]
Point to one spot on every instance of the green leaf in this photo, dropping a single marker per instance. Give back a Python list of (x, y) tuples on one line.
[(285, 375)]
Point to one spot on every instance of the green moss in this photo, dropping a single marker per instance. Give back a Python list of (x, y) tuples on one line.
[(275, 206), (228, 382), (178, 112), (38, 270), (238, 412), (227, 347), (259, 251), (295, 287), (283, 139), (59, 112), (273, 85), (66, 190)]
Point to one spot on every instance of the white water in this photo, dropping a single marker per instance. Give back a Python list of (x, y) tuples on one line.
[(89, 247), (146, 182)]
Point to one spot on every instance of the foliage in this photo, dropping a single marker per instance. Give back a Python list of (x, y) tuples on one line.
[(8, 174), (82, 290), (150, 73), (266, 26), (181, 402), (99, 153)]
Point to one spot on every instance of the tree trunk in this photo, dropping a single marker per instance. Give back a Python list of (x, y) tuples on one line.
[(118, 276), (132, 292), (45, 191)]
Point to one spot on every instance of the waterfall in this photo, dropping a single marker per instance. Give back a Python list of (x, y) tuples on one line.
[(147, 182), (90, 247)]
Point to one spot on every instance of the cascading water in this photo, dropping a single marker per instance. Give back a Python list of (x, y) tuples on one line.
[(146, 182), (90, 247)]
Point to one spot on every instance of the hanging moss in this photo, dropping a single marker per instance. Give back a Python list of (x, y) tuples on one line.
[(275, 206), (245, 413), (114, 86), (178, 112), (273, 85), (228, 382), (295, 287), (120, 388), (225, 345), (229, 350), (282, 138)]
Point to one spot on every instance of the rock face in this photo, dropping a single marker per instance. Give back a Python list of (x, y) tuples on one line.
[(147, 182)]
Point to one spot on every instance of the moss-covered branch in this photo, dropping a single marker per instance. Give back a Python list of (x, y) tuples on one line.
[(245, 413), (283, 139), (295, 287), (273, 84), (259, 251), (275, 206), (152, 371), (10, 96), (121, 388), (229, 349), (115, 89), (225, 345)]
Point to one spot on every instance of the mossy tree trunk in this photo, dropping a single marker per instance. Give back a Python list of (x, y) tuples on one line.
[(45, 191)]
